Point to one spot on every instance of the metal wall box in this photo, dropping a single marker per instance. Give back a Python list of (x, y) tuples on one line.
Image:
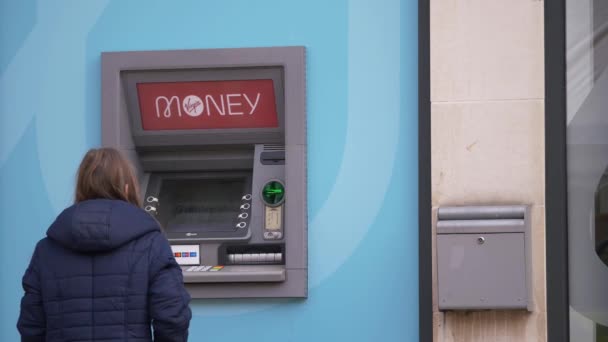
[(484, 258)]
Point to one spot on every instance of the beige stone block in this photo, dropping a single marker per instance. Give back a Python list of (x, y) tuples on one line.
[(438, 326), (485, 153), (434, 259), (486, 50), (498, 326), (536, 328), (539, 285)]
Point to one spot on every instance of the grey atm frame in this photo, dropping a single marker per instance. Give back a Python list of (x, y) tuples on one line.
[(116, 132)]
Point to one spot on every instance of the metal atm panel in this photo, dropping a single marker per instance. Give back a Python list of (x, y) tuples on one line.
[(222, 165)]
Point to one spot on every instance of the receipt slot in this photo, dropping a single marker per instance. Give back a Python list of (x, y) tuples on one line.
[(218, 138)]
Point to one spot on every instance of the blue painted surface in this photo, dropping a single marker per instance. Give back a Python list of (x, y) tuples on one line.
[(362, 131), (15, 28)]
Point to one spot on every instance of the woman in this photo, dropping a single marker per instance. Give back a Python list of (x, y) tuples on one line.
[(105, 272)]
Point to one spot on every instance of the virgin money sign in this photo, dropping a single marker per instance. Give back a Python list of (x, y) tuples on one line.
[(207, 105)]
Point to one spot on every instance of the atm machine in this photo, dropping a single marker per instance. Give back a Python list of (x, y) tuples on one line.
[(218, 138)]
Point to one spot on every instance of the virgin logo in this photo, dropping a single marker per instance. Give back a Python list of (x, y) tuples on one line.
[(193, 105)]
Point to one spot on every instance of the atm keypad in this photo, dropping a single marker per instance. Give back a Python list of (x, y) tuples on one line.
[(255, 258)]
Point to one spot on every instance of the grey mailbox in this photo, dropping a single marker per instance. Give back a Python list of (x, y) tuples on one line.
[(483, 258)]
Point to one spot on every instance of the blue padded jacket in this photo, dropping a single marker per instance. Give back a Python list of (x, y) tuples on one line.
[(105, 272)]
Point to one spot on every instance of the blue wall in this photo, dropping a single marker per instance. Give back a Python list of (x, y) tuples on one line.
[(362, 109)]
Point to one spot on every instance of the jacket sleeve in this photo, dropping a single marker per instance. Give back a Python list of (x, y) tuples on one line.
[(167, 297), (32, 319)]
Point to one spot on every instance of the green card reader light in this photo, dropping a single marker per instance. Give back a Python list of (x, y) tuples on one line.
[(273, 193), (273, 196)]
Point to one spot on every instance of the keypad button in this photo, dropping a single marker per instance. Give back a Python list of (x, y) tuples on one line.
[(247, 258)]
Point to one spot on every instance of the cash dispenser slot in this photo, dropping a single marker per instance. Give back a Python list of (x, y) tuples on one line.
[(196, 160), (234, 274)]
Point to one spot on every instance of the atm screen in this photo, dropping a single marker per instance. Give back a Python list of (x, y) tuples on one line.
[(201, 205)]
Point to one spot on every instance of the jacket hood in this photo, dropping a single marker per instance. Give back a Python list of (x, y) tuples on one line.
[(100, 225)]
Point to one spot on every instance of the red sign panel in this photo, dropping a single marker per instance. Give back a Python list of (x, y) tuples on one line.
[(207, 105)]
